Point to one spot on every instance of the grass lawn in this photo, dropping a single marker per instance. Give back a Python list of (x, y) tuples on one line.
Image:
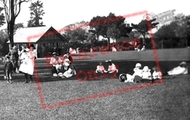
[(169, 100)]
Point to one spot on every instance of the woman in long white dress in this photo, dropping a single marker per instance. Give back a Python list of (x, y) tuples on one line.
[(27, 64)]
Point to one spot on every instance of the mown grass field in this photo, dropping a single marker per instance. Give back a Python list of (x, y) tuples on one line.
[(169, 100)]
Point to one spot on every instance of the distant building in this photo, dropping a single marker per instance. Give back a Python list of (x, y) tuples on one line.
[(45, 39), (163, 18)]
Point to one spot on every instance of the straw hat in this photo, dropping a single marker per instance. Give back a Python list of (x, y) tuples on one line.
[(54, 53), (183, 63), (146, 68), (108, 61), (138, 65)]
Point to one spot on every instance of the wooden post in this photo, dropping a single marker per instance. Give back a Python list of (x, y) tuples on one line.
[(36, 46)]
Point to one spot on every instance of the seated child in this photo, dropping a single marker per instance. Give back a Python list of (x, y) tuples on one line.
[(181, 69), (137, 75), (68, 70), (156, 75), (68, 56), (100, 68), (146, 74), (112, 69), (55, 61)]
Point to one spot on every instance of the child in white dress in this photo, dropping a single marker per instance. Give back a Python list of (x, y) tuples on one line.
[(100, 68), (146, 74), (137, 75)]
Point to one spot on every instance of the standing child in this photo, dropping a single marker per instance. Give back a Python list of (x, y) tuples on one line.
[(28, 63), (8, 69), (14, 58)]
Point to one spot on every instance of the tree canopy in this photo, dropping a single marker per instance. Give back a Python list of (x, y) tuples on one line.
[(175, 34), (36, 14), (110, 26), (2, 17), (76, 33), (144, 27)]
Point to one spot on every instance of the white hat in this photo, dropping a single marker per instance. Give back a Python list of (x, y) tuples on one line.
[(146, 68), (14, 47), (54, 53), (108, 61), (26, 49), (138, 65), (183, 63)]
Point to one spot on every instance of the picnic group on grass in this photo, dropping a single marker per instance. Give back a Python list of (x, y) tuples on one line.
[(23, 61), (145, 74)]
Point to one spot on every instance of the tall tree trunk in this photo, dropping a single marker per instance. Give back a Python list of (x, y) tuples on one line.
[(11, 24), (11, 32)]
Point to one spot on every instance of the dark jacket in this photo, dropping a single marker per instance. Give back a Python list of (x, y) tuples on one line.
[(13, 54), (8, 66)]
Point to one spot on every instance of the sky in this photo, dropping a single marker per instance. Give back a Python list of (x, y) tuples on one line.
[(59, 13)]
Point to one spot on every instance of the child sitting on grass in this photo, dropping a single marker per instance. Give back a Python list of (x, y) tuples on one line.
[(181, 69), (55, 61), (136, 77), (146, 74), (112, 69), (156, 75), (68, 69), (100, 68)]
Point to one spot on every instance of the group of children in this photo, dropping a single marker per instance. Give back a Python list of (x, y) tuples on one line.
[(141, 74), (19, 62), (146, 73), (112, 68), (62, 66)]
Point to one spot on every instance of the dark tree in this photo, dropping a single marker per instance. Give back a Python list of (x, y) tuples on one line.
[(109, 27), (36, 14), (144, 27), (76, 34), (175, 34), (12, 9), (2, 17)]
